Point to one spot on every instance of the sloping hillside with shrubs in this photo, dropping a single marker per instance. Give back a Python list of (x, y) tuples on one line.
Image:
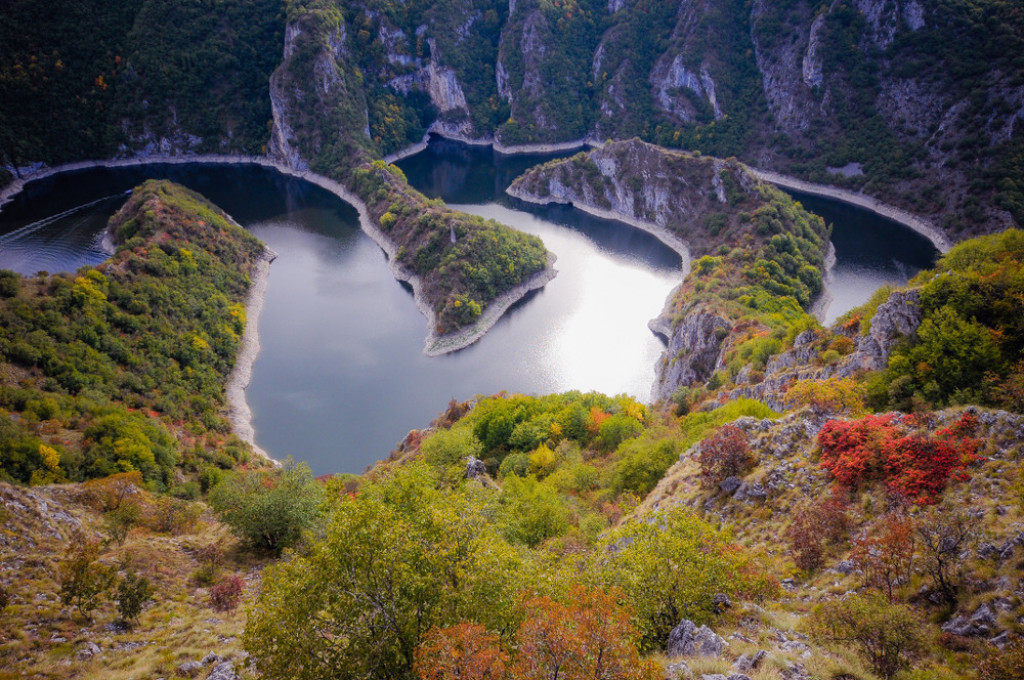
[(121, 367)]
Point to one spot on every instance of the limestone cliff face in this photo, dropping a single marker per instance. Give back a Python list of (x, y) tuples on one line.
[(693, 351), (895, 320), (673, 194), (697, 204), (315, 95)]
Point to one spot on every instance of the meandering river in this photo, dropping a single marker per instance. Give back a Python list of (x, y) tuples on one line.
[(341, 376)]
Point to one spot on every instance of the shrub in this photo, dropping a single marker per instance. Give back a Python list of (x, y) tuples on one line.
[(815, 526), (889, 636), (878, 449), (1003, 664), (946, 534), (615, 429), (83, 580), (590, 638), (108, 493), (465, 650), (670, 568), (445, 448), (5, 598), (121, 520), (173, 515), (726, 453), (10, 283), (885, 553), (133, 592), (531, 511), (834, 395), (225, 596), (640, 464), (270, 509)]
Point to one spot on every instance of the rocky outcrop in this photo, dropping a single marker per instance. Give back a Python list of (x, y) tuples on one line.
[(317, 103), (671, 194), (894, 320), (687, 639), (693, 352)]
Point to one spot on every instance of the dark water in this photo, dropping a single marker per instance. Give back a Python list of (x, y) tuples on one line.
[(341, 376), (871, 251)]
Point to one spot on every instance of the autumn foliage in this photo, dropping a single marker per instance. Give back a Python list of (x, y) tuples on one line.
[(465, 650), (726, 453), (884, 552), (816, 525), (591, 638), (917, 465)]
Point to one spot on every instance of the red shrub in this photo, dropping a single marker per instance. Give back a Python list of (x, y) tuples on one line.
[(816, 525), (724, 454), (879, 449), (226, 595)]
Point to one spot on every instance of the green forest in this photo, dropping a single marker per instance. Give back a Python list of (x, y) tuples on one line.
[(121, 367)]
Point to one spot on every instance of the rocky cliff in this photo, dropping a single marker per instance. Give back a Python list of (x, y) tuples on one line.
[(917, 103), (695, 203), (761, 255)]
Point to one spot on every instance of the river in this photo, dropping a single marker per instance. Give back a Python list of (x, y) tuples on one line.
[(341, 376)]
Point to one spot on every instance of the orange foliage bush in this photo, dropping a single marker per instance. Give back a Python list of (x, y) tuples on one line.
[(590, 638), (107, 493), (465, 650)]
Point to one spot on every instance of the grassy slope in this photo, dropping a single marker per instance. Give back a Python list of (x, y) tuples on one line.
[(42, 638)]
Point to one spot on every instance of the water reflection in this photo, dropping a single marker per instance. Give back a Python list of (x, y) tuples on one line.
[(341, 376)]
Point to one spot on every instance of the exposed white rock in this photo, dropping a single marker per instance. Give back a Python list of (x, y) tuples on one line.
[(813, 69), (676, 75)]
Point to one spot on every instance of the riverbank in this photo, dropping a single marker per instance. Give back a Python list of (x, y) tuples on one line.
[(907, 219), (511, 150), (239, 412), (656, 230), (434, 345)]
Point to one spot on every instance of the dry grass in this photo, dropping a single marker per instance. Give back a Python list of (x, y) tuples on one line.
[(40, 637)]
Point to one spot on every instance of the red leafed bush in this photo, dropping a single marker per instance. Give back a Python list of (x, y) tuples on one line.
[(226, 595), (816, 525), (724, 454), (880, 449)]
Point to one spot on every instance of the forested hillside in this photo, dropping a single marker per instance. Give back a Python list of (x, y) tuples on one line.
[(918, 103), (121, 367)]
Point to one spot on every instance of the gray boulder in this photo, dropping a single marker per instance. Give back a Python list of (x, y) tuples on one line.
[(687, 639), (979, 624), (677, 670), (88, 650), (750, 662), (475, 468), (730, 484), (190, 669), (223, 671)]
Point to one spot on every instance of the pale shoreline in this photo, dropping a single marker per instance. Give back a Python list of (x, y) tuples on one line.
[(907, 219), (512, 150), (239, 412), (434, 344), (659, 232)]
